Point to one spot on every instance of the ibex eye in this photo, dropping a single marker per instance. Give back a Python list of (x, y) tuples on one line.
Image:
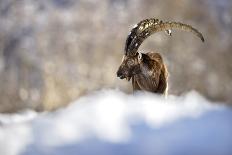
[(130, 62)]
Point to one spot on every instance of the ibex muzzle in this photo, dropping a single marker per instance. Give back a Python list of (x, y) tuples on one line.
[(147, 70), (129, 67)]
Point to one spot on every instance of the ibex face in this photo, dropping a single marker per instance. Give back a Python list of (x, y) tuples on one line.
[(129, 66)]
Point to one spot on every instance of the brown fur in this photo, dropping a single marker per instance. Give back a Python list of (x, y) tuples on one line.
[(148, 71)]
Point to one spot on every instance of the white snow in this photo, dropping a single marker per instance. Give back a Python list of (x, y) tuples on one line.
[(111, 122)]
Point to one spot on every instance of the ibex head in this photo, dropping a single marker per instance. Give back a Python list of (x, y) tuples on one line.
[(132, 59), (130, 66)]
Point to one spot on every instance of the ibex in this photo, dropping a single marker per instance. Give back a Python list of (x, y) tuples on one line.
[(147, 70)]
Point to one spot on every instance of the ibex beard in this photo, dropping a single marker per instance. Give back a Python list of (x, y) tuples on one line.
[(147, 70)]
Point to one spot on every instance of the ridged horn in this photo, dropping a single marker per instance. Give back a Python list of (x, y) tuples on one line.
[(147, 27)]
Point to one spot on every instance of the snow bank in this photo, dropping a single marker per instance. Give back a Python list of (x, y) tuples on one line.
[(111, 122)]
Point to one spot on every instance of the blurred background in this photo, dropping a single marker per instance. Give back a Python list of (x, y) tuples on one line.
[(53, 52)]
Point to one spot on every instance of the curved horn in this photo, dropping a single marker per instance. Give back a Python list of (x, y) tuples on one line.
[(147, 27)]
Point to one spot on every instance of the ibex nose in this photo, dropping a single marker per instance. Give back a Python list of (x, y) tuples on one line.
[(119, 74)]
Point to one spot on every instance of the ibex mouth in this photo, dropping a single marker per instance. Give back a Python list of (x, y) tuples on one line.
[(122, 77)]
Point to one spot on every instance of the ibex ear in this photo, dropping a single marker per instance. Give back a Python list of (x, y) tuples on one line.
[(140, 58)]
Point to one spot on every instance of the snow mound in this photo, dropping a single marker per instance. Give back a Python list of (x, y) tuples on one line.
[(111, 122)]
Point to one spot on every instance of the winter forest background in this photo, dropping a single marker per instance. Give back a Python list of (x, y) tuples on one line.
[(53, 52), (59, 93)]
